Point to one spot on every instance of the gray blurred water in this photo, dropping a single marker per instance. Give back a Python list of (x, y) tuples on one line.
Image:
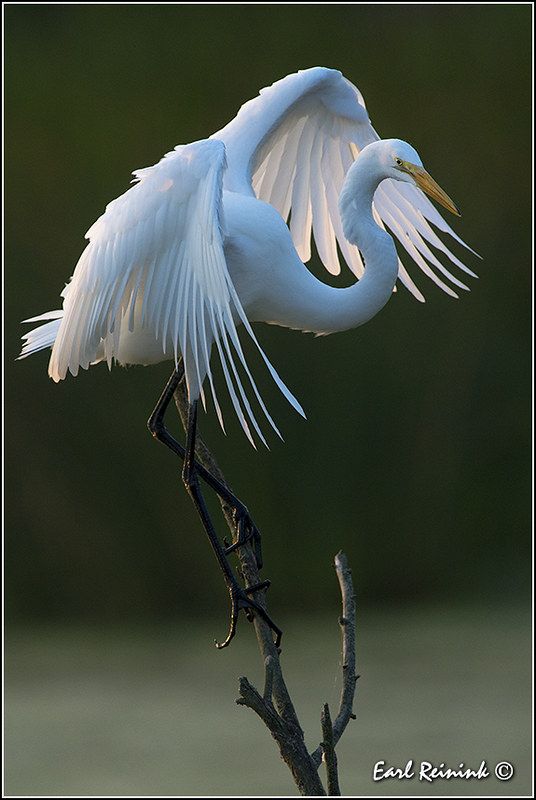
[(151, 711)]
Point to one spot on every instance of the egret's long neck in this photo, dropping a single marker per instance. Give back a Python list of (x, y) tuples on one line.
[(365, 298), (314, 306)]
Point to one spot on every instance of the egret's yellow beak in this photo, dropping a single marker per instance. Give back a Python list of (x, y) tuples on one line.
[(425, 182)]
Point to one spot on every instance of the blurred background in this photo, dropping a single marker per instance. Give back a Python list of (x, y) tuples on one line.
[(415, 458)]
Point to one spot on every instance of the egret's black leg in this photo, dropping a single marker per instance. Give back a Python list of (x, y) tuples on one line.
[(155, 423), (239, 596), (246, 528)]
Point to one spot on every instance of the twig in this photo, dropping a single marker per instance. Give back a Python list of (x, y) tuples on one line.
[(250, 697), (348, 627), (274, 706), (330, 757)]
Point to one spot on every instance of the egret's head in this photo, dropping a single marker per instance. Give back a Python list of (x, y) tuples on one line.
[(401, 162)]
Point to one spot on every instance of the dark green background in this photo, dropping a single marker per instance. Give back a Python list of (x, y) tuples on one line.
[(415, 458), (415, 455)]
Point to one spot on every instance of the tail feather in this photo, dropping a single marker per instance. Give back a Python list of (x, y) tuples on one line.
[(43, 336)]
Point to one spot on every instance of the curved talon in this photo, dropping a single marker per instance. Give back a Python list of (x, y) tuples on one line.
[(230, 635), (240, 600), (246, 532)]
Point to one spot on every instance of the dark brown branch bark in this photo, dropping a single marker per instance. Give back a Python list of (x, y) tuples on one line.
[(275, 706)]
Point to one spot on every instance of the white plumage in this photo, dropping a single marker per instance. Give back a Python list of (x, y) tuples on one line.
[(199, 245)]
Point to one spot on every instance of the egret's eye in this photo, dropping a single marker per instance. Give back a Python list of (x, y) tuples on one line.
[(398, 161)]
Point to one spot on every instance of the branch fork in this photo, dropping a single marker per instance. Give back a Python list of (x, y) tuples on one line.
[(276, 710), (274, 706)]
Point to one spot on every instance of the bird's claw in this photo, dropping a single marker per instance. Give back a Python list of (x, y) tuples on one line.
[(246, 531), (240, 600)]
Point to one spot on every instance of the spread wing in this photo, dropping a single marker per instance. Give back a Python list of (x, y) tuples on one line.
[(292, 146), (155, 259)]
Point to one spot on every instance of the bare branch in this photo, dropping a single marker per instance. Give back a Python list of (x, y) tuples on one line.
[(250, 697), (268, 679), (251, 576), (330, 757), (274, 706), (347, 622), (348, 629), (291, 745)]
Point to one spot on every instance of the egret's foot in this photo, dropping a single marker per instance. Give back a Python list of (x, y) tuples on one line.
[(240, 600), (246, 531), (258, 586)]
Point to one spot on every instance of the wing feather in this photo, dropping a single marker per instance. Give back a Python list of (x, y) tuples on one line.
[(155, 258), (293, 145), (408, 232), (301, 218), (322, 225)]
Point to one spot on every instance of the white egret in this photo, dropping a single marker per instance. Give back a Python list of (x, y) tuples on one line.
[(200, 246)]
